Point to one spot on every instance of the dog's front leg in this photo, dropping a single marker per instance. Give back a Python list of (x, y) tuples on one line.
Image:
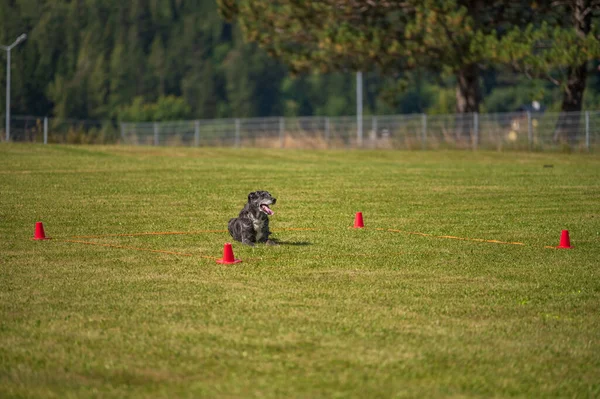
[(267, 234), (247, 241), (248, 233)]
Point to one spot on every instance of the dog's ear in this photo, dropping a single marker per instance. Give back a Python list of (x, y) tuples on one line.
[(252, 196)]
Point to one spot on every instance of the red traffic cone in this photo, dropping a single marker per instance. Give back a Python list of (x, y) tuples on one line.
[(565, 242), (358, 221), (228, 255), (39, 232)]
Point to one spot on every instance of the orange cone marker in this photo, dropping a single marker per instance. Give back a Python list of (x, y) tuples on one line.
[(228, 257), (358, 221), (565, 242), (39, 233)]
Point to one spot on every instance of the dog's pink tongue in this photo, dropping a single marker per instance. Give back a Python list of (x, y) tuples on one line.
[(267, 210)]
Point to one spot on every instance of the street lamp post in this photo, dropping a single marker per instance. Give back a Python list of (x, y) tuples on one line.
[(8, 48)]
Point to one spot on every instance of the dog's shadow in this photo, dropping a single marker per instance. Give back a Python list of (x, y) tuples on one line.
[(292, 243)]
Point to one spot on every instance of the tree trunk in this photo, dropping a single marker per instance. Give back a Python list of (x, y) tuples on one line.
[(467, 89), (467, 102), (567, 126)]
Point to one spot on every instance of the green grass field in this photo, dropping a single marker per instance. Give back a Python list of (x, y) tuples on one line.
[(449, 291)]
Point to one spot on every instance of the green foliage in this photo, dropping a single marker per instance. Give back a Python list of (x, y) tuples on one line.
[(304, 94), (437, 36), (443, 102), (544, 50), (448, 38), (167, 108), (508, 97), (89, 59)]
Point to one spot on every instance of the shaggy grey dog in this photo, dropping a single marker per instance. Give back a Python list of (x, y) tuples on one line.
[(252, 224)]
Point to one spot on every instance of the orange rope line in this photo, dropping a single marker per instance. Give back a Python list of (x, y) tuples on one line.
[(454, 237), (133, 248), (355, 255), (298, 229), (280, 229), (164, 233), (157, 233)]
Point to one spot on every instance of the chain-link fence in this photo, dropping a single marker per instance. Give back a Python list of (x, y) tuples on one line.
[(535, 131), (58, 130)]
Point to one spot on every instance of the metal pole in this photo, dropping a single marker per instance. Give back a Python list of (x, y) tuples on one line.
[(197, 133), (46, 130), (155, 133), (123, 132), (327, 131), (281, 132), (476, 130), (7, 114), (237, 133), (424, 131), (359, 109), (373, 136), (587, 130), (529, 131)]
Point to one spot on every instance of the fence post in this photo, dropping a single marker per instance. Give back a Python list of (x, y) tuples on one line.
[(373, 135), (155, 133), (197, 133), (327, 134), (236, 142), (424, 131), (529, 130), (475, 130), (281, 132), (45, 130), (359, 110), (587, 130)]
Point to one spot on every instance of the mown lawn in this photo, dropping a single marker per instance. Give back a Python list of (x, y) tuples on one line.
[(449, 291)]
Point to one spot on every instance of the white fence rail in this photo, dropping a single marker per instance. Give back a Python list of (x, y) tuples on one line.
[(506, 131), (501, 131)]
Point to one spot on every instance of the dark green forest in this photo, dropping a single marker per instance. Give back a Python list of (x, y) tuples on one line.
[(147, 60)]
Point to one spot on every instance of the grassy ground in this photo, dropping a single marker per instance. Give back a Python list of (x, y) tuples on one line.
[(332, 311)]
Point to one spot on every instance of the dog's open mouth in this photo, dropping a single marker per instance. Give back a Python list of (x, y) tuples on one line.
[(265, 208)]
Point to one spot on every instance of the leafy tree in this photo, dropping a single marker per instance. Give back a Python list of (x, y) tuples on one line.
[(158, 66), (166, 108), (560, 52), (90, 59), (252, 81), (121, 87), (21, 16), (438, 35), (199, 90), (304, 94)]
